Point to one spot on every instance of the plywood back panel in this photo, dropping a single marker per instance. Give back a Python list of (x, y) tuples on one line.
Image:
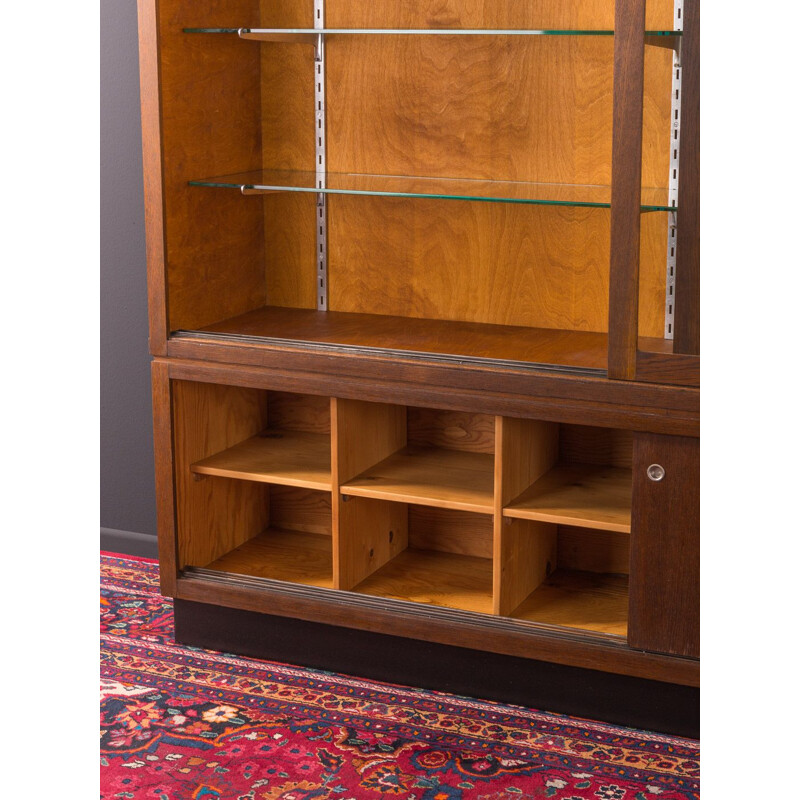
[(210, 101), (215, 515), (299, 412), (300, 510), (452, 430), (450, 531), (287, 142), (593, 551), (548, 14), (582, 444)]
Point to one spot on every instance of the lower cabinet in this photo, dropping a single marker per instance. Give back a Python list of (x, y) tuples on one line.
[(538, 539)]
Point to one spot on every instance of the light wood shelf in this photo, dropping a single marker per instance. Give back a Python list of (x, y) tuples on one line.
[(432, 477), (586, 496), (288, 458), (435, 578), (282, 555), (587, 600)]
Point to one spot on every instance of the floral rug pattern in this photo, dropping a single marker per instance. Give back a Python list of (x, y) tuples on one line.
[(180, 723)]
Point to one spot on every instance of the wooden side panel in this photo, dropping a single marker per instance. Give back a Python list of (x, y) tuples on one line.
[(452, 430), (151, 166), (366, 533), (165, 486), (665, 547), (524, 551), (210, 93), (215, 515)]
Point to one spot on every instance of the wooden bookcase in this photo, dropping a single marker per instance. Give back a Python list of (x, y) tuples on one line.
[(424, 309)]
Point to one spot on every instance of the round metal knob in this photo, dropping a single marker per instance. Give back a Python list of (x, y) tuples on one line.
[(656, 472)]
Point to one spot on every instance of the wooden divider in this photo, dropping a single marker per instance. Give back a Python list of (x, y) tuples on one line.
[(367, 533), (524, 551)]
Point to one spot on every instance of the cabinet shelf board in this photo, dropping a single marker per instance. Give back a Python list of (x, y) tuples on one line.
[(416, 186), (282, 555), (287, 458), (422, 337), (434, 578), (430, 476), (587, 600), (586, 496)]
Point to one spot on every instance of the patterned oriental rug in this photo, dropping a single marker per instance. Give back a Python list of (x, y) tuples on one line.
[(180, 723)]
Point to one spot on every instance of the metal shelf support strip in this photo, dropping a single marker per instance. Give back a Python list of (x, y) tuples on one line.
[(674, 164), (320, 159)]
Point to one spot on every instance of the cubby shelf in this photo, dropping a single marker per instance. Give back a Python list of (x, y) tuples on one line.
[(430, 476), (282, 555), (586, 496), (414, 186), (575, 599), (287, 458), (436, 578)]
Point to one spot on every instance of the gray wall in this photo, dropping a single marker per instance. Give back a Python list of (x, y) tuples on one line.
[(127, 494)]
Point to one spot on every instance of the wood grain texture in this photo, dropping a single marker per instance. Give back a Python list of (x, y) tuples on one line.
[(585, 496), (687, 268), (524, 553), (583, 600), (283, 556), (217, 515), (554, 397), (504, 264), (367, 534), (448, 531), (288, 458), (485, 632), (364, 434), (287, 142), (665, 546), (584, 444), (152, 172), (165, 477), (683, 370), (303, 510), (211, 125), (289, 411), (452, 430), (593, 550), (545, 14), (429, 476), (434, 578), (626, 183), (539, 345)]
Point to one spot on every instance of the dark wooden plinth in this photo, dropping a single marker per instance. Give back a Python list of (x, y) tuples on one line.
[(618, 699)]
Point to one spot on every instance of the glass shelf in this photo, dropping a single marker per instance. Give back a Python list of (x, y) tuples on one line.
[(266, 32), (555, 194)]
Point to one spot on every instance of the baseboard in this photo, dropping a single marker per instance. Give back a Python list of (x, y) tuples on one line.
[(129, 543), (619, 699)]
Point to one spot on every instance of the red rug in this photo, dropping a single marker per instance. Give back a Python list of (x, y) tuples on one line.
[(179, 723)]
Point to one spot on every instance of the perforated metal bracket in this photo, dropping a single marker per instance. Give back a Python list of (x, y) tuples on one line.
[(320, 163), (674, 171)]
